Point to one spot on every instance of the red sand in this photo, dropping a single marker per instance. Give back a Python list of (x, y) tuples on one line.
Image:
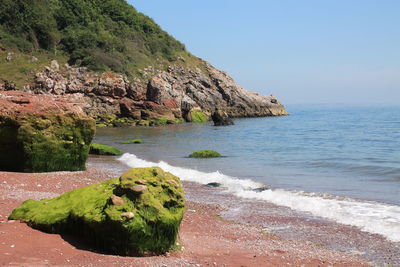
[(207, 239)]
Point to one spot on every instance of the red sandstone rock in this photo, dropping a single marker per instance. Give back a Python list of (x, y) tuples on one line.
[(17, 103)]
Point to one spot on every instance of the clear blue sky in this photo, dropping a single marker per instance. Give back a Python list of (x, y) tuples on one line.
[(302, 51)]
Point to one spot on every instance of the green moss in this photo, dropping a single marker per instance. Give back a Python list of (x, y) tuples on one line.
[(197, 116), (161, 121), (205, 154), (44, 143), (91, 212), (101, 125), (134, 141), (143, 123), (99, 149), (113, 120)]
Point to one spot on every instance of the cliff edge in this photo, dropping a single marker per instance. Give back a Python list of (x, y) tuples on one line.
[(171, 95), (116, 63)]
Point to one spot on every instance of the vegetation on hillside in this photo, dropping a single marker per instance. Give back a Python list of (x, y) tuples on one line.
[(99, 34)]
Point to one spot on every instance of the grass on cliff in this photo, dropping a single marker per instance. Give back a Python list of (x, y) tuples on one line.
[(23, 67)]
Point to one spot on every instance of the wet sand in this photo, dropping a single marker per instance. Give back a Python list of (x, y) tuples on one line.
[(217, 230)]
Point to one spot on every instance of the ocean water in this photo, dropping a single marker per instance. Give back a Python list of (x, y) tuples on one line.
[(340, 163)]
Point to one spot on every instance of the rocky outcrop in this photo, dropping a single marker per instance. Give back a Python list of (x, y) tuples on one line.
[(42, 133), (220, 118), (172, 94), (138, 213), (208, 89), (6, 85)]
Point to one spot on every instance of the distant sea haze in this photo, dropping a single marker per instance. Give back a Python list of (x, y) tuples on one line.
[(340, 163)]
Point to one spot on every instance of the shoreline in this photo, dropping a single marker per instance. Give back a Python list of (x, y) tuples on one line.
[(370, 216), (217, 228)]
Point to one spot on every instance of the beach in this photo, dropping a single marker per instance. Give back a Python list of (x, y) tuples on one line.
[(303, 193), (142, 134), (211, 234)]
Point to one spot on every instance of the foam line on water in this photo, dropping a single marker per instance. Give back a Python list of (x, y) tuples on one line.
[(371, 217), (190, 174)]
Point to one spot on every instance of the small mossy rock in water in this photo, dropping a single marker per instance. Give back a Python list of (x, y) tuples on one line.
[(113, 216), (261, 189), (213, 184), (221, 118), (42, 134), (134, 141), (99, 149), (205, 154)]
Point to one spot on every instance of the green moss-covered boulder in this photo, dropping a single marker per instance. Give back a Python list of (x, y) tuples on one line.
[(205, 154), (196, 116), (133, 141), (139, 212), (41, 134), (99, 149)]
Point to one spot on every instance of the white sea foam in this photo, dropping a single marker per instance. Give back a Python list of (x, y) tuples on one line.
[(371, 217)]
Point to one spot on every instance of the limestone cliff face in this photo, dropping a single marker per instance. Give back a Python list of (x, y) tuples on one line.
[(170, 94)]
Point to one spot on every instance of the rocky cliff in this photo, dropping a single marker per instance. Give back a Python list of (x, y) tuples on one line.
[(170, 95), (125, 68)]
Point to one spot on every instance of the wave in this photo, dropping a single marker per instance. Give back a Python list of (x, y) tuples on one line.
[(364, 169), (373, 217)]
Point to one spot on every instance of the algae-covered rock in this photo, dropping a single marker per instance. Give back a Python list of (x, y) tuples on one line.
[(196, 116), (133, 141), (115, 215), (99, 149), (205, 154), (42, 134), (213, 184)]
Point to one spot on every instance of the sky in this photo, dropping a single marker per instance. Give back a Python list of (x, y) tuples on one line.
[(302, 51)]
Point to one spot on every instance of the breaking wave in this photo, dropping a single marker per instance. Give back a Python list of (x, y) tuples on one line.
[(373, 217)]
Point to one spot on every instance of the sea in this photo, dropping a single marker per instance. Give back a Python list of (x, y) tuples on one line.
[(340, 163)]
